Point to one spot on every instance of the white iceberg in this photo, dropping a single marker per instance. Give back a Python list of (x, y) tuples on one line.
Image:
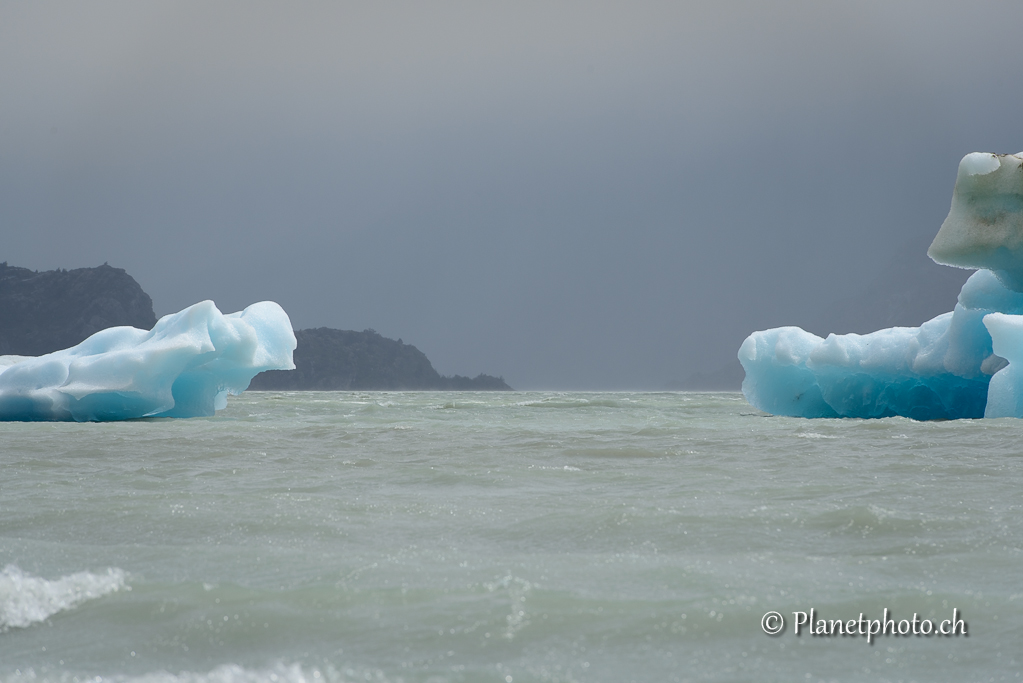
[(184, 367), (967, 363), (984, 227)]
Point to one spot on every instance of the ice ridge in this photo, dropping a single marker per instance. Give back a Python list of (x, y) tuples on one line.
[(186, 366), (967, 363)]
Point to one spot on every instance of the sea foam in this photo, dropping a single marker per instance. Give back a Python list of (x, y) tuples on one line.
[(26, 600), (227, 673)]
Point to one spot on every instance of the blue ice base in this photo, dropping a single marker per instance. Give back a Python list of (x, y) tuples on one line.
[(963, 364), (186, 366)]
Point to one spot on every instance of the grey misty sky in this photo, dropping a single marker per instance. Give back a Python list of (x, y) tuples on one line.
[(572, 195)]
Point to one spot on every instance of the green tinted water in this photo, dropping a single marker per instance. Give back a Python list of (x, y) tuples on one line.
[(504, 537)]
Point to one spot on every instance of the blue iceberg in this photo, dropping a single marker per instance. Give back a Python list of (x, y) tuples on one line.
[(184, 367), (964, 364)]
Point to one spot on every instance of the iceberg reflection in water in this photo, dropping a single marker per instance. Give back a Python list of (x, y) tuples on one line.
[(184, 367)]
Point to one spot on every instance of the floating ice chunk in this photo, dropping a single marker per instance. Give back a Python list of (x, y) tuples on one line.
[(939, 370), (967, 363), (890, 372), (1005, 393), (984, 227), (184, 367)]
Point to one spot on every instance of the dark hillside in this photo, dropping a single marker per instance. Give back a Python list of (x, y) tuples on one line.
[(341, 360), (42, 312)]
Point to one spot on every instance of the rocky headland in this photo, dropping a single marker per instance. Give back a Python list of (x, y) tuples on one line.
[(45, 311), (344, 360), (42, 312)]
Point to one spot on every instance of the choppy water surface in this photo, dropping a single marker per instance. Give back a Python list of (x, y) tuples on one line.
[(504, 537)]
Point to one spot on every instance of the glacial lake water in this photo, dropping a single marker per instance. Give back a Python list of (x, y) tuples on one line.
[(506, 537)]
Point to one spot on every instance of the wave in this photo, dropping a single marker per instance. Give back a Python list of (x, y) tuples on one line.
[(228, 673), (564, 402), (27, 599)]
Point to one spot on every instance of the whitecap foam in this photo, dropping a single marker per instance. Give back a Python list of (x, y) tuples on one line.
[(558, 468), (27, 599), (228, 673)]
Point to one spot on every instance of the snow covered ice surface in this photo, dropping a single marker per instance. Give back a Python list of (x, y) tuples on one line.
[(184, 367), (964, 364)]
